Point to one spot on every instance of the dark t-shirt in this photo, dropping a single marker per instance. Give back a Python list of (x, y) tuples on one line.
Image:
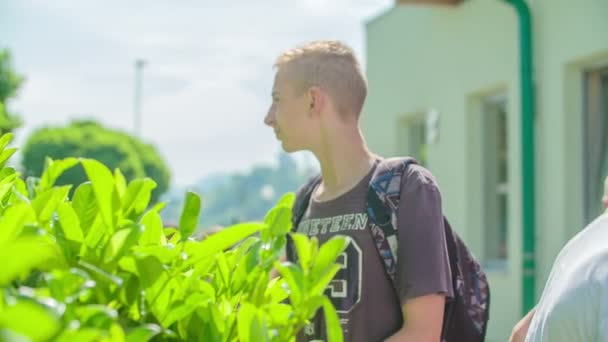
[(363, 294)]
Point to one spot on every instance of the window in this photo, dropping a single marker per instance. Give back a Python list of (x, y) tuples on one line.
[(412, 138), (595, 140), (495, 180)]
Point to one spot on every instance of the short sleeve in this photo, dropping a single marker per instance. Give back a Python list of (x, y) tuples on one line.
[(423, 266)]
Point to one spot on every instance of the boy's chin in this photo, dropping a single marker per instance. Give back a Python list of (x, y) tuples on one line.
[(290, 149)]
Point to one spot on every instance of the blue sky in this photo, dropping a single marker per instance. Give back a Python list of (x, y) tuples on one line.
[(208, 77)]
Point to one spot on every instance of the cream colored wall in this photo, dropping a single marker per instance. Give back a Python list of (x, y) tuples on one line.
[(448, 59)]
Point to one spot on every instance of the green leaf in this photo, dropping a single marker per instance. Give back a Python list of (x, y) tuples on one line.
[(154, 280), (246, 256), (322, 280), (7, 172), (220, 320), (328, 253), (279, 313), (9, 335), (201, 269), (332, 322), (276, 292), (243, 249), (116, 333), (67, 285), (287, 200), (180, 310), (153, 229), (137, 197), (295, 280), (165, 254), (70, 223), (46, 203), (5, 155), (14, 219), (54, 170), (95, 234), (99, 274), (85, 205), (303, 247), (189, 218), (121, 242), (158, 207), (279, 220), (5, 139), (121, 182), (70, 249), (83, 335), (25, 254), (32, 319), (224, 239), (19, 192), (104, 189), (257, 296), (143, 333), (128, 264), (7, 182), (223, 268), (32, 185), (251, 325), (96, 315)]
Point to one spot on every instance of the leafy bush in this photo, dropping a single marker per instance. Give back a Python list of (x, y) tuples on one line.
[(101, 266), (88, 139)]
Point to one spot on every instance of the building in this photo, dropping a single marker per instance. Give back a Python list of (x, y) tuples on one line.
[(449, 83)]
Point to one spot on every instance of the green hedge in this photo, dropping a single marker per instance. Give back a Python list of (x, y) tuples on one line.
[(102, 267)]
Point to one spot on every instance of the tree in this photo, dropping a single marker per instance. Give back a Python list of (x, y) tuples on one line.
[(242, 196), (88, 139), (153, 165), (10, 82)]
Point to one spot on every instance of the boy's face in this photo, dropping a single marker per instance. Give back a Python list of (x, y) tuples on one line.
[(289, 114)]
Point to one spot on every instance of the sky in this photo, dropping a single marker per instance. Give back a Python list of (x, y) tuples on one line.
[(208, 73)]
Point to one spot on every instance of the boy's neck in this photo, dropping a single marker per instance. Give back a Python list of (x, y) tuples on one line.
[(344, 161)]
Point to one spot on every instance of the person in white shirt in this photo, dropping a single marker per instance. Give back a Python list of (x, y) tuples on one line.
[(574, 304)]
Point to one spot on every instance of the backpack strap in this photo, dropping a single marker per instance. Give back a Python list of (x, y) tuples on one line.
[(469, 307), (382, 202), (302, 200), (298, 210)]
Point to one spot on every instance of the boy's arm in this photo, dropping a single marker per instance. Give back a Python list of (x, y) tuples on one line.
[(424, 320), (423, 278), (521, 328)]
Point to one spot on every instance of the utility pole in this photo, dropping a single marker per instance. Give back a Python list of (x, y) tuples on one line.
[(139, 66)]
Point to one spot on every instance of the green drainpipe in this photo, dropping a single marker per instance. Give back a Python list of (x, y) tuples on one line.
[(527, 152)]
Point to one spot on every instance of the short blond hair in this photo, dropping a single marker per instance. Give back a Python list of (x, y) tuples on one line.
[(330, 65)]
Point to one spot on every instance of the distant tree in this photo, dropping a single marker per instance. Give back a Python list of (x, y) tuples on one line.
[(153, 165), (10, 82), (88, 139), (243, 196)]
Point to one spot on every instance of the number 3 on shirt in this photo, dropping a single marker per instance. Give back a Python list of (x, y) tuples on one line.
[(345, 289)]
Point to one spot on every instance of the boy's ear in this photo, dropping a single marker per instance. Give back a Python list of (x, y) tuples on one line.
[(316, 98)]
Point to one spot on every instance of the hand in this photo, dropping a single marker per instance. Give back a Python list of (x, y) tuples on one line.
[(521, 328), (399, 336)]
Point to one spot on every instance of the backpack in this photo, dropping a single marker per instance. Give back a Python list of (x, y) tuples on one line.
[(466, 315)]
